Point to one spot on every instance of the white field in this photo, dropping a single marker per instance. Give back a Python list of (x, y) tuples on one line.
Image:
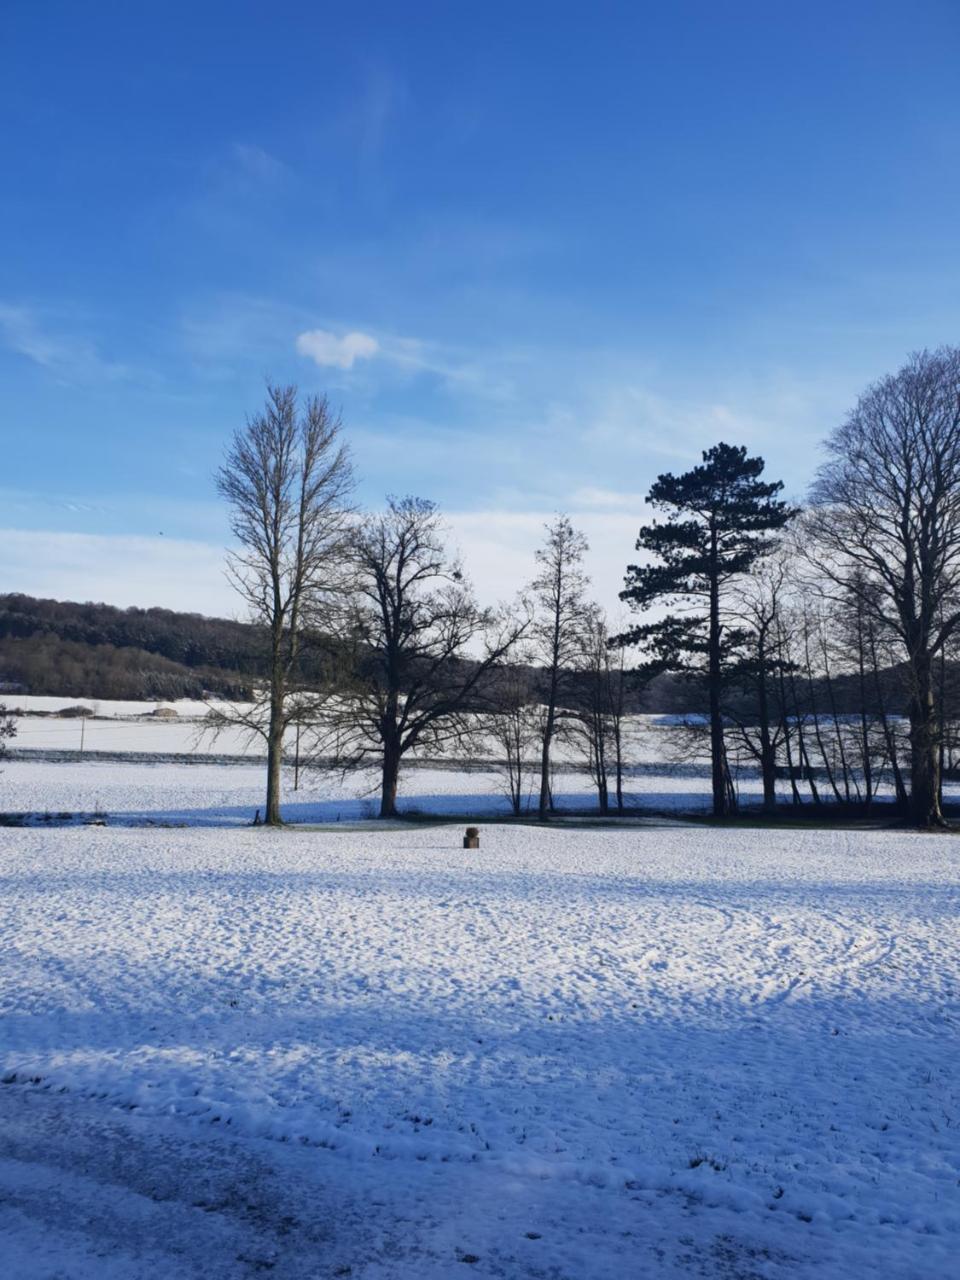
[(645, 1051), (194, 783), (177, 772)]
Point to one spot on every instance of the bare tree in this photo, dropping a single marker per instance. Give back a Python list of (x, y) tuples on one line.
[(618, 683), (559, 595), (287, 478), (885, 524), (8, 728), (513, 726), (759, 713), (600, 707), (873, 740), (413, 624)]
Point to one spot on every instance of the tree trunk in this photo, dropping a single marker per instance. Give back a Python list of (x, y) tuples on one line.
[(389, 780), (837, 728), (545, 801), (619, 748), (785, 720), (718, 772), (864, 722), (815, 717), (941, 712), (516, 784), (274, 761), (924, 751), (806, 769), (768, 770), (768, 752), (600, 764), (900, 790)]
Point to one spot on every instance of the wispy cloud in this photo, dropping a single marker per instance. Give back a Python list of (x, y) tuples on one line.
[(70, 357), (590, 498), (586, 413), (381, 95), (634, 418), (256, 163)]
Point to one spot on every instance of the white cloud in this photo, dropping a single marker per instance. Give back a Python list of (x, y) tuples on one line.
[(325, 348)]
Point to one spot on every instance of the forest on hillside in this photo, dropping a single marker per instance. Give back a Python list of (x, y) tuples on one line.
[(99, 651)]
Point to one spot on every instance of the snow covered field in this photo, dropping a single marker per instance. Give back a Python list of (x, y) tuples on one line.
[(218, 795), (171, 773), (579, 1053), (125, 727)]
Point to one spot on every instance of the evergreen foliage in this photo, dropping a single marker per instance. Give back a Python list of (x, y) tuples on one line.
[(720, 518)]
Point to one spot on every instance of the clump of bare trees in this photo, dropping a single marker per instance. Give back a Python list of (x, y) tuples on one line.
[(807, 701), (884, 531), (835, 667)]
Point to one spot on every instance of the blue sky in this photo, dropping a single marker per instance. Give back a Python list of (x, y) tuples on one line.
[(537, 253)]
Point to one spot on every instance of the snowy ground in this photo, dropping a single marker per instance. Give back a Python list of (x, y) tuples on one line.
[(578, 1053), (176, 770)]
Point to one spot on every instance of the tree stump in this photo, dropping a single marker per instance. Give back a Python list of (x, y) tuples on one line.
[(471, 839)]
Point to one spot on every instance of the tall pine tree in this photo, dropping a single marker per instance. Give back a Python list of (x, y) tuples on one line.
[(720, 516)]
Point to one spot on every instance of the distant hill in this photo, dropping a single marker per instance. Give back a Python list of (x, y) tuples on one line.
[(99, 651), (89, 650)]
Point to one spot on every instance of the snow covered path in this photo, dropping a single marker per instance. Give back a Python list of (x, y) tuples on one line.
[(579, 1054)]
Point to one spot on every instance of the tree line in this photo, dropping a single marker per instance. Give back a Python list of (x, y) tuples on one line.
[(814, 642)]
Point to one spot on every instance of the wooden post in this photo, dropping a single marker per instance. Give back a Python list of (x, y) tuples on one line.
[(471, 839)]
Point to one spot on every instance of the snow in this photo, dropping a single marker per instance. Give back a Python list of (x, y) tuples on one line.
[(664, 1051), (163, 759), (104, 708), (131, 727), (209, 794), (124, 727)]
